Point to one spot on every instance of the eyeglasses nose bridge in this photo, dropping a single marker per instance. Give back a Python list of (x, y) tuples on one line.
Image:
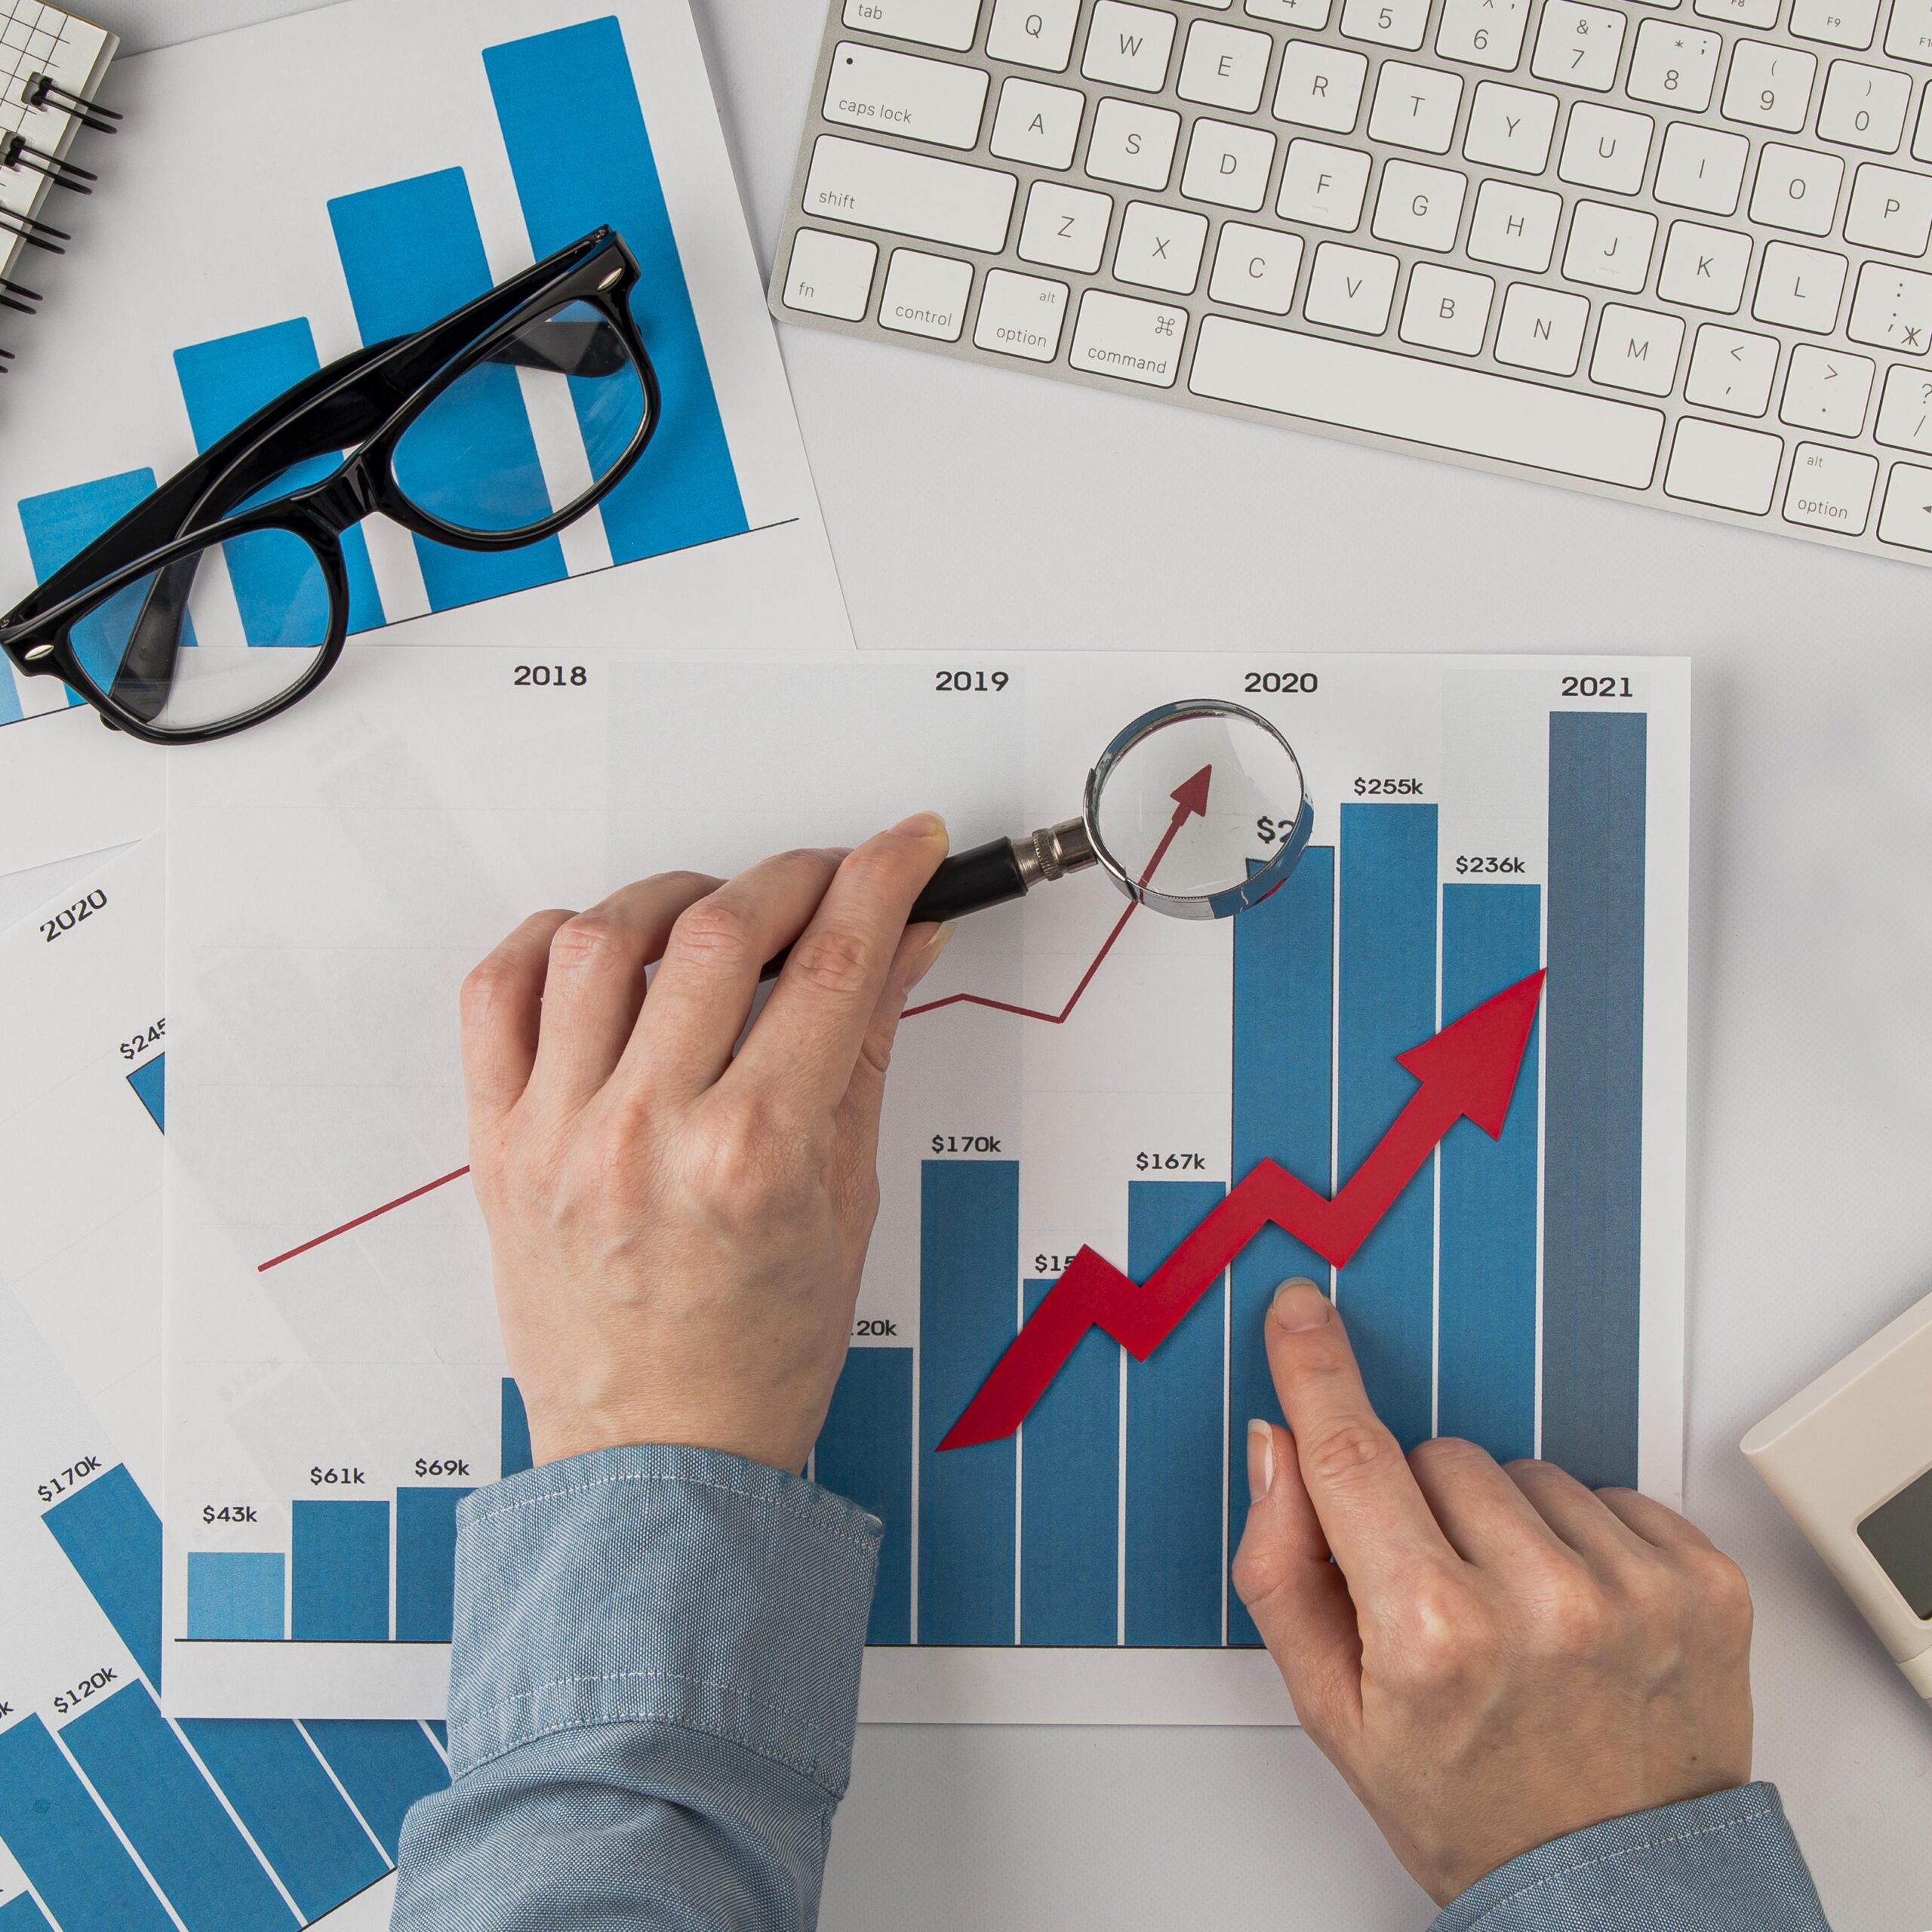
[(343, 500)]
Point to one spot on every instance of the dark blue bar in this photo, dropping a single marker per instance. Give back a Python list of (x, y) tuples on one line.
[(1593, 1160), (60, 1840), (1387, 1005), (112, 1535), (969, 1294), (515, 1433), (1486, 1359), (339, 1573), (865, 1452), (290, 1807), (172, 1817), (1283, 1100), (425, 1563), (411, 252), (440, 1731), (578, 147), (1176, 1418), (224, 382), (385, 1765), (149, 1081), (21, 1914), (1070, 1498), (238, 1594)]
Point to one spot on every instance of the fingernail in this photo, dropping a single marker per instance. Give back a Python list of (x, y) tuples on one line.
[(1260, 1460), (921, 825), (942, 937), (1299, 1305)]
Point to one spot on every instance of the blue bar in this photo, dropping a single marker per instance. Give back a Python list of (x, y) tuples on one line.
[(172, 1817), (412, 253), (224, 382), (21, 1914), (969, 1294), (1486, 1360), (1175, 1421), (149, 1081), (1387, 1005), (440, 1731), (11, 712), (581, 156), (515, 1431), (865, 1452), (112, 1536), (60, 1840), (385, 1765), (1284, 1101), (1069, 1498), (340, 1572), (237, 1596), (290, 1807), (425, 1563), (1593, 1162)]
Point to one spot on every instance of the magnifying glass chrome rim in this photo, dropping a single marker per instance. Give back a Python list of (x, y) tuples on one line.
[(1231, 899)]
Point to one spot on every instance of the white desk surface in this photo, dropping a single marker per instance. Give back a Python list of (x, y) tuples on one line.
[(969, 506)]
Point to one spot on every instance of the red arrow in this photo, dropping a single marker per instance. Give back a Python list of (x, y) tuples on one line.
[(1468, 1070)]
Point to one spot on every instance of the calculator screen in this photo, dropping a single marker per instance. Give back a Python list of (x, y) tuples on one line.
[(1898, 1533)]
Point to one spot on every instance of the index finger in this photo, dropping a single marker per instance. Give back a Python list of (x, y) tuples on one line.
[(1379, 1525)]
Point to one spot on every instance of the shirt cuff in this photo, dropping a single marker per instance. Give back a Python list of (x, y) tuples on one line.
[(684, 1586)]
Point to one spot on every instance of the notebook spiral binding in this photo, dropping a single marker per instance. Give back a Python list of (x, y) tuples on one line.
[(40, 91)]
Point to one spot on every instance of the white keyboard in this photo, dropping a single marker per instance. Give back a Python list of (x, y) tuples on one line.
[(1662, 251)]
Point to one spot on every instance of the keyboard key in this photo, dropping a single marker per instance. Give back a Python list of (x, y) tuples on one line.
[(1133, 144), (1892, 308), (902, 94), (1908, 31), (910, 194), (1136, 342), (1826, 388), (1065, 228), (1160, 247), (1841, 23), (1037, 123), (1387, 22), (1415, 107), (1320, 87), (1466, 410), (925, 295), (1906, 518), (1311, 16), (1255, 268), (1734, 469), (1864, 107), (1021, 315), (1515, 227), (1578, 44), (1904, 410), (1701, 167), (1228, 165), (1610, 248), (1830, 489), (1889, 210), (1418, 205), (1922, 134), (1486, 33), (1769, 87), (1796, 189), (1606, 147), (1225, 66), (1674, 65), (1637, 348), (1731, 369), (935, 23), (1348, 288), (1542, 328), (1447, 308), (1705, 268), (1323, 185), (1510, 128), (1799, 288), (830, 275), (1739, 13), (1129, 47), (1033, 33)]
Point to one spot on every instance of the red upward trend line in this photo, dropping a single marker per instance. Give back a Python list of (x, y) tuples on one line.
[(1468, 1070)]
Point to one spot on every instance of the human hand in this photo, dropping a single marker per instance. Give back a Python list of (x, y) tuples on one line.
[(1495, 1657), (677, 1230)]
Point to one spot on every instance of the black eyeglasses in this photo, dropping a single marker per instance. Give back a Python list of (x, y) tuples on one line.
[(407, 417)]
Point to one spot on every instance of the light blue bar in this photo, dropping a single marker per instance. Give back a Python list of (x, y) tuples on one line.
[(515, 1431), (581, 156), (1284, 1099), (339, 1573), (290, 1806), (425, 1563), (1387, 1005), (224, 382), (1486, 1362), (112, 1535), (385, 1765), (1069, 1492), (1174, 1423), (237, 1595), (969, 1294), (10, 713), (412, 253), (21, 1914), (1593, 1162), (865, 1452), (60, 1840), (149, 1081), (172, 1817)]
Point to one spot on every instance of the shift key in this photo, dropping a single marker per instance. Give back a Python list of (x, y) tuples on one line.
[(910, 194)]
